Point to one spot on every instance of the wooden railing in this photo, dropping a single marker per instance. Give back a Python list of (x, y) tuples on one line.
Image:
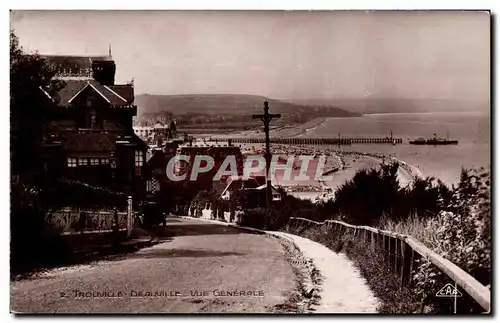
[(75, 220), (403, 253)]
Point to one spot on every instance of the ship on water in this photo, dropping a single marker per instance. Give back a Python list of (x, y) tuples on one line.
[(434, 141)]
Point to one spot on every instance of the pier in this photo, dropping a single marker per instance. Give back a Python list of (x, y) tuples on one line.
[(314, 141)]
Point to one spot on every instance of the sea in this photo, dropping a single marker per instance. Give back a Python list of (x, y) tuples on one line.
[(471, 129)]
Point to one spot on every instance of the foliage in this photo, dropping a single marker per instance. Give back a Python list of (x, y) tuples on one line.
[(455, 223), (254, 218), (376, 188), (64, 192), (424, 197), (423, 229), (464, 234), (29, 75), (32, 242), (280, 213), (382, 196), (289, 206), (33, 194)]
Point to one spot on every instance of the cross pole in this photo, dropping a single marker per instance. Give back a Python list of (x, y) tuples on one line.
[(266, 119)]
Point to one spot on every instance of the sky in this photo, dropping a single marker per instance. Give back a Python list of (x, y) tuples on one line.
[(278, 54)]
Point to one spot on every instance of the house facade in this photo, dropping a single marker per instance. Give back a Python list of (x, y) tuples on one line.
[(89, 135), (253, 188), (205, 180)]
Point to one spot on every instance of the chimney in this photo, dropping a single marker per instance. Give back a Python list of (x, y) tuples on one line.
[(103, 71)]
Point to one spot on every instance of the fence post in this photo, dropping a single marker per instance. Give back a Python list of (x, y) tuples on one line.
[(407, 264), (397, 255), (391, 250), (385, 247), (413, 265), (130, 216)]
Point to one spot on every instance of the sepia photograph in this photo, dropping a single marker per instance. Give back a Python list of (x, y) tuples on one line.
[(250, 162)]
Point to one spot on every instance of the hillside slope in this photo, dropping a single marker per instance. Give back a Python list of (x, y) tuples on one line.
[(226, 104), (378, 105)]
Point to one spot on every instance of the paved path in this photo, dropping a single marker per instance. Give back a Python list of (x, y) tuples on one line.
[(342, 289), (200, 257)]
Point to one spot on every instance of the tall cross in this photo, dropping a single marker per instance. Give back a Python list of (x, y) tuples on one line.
[(266, 119)]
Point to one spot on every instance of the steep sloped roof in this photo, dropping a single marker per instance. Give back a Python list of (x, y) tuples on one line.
[(67, 65), (126, 91), (69, 91), (73, 88)]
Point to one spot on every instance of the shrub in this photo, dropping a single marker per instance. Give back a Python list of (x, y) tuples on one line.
[(455, 223), (460, 233), (32, 242), (424, 197), (65, 192), (290, 206), (254, 218), (376, 188), (385, 284), (422, 229), (373, 193)]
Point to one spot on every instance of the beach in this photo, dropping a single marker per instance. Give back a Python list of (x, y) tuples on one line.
[(339, 167), (298, 130), (443, 162)]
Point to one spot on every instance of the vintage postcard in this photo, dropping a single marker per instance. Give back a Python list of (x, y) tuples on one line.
[(286, 162)]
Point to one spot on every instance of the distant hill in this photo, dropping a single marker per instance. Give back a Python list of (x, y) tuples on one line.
[(227, 104), (370, 105)]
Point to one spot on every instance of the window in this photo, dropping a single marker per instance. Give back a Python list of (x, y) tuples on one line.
[(94, 161), (92, 118), (139, 158), (151, 186), (83, 162), (104, 161), (71, 162)]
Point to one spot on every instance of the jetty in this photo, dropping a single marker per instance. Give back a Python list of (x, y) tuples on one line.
[(313, 141)]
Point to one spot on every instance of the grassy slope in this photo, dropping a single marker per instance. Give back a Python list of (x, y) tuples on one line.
[(222, 104), (399, 105)]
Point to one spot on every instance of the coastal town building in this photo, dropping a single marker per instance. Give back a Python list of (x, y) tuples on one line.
[(254, 188), (159, 132), (205, 180), (155, 168), (89, 135)]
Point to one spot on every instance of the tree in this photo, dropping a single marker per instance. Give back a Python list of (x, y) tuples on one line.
[(30, 77), (367, 196), (463, 237)]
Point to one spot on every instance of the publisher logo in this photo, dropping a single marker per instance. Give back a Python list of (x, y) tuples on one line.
[(449, 291)]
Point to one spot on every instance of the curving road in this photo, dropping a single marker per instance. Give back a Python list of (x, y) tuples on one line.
[(201, 267)]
